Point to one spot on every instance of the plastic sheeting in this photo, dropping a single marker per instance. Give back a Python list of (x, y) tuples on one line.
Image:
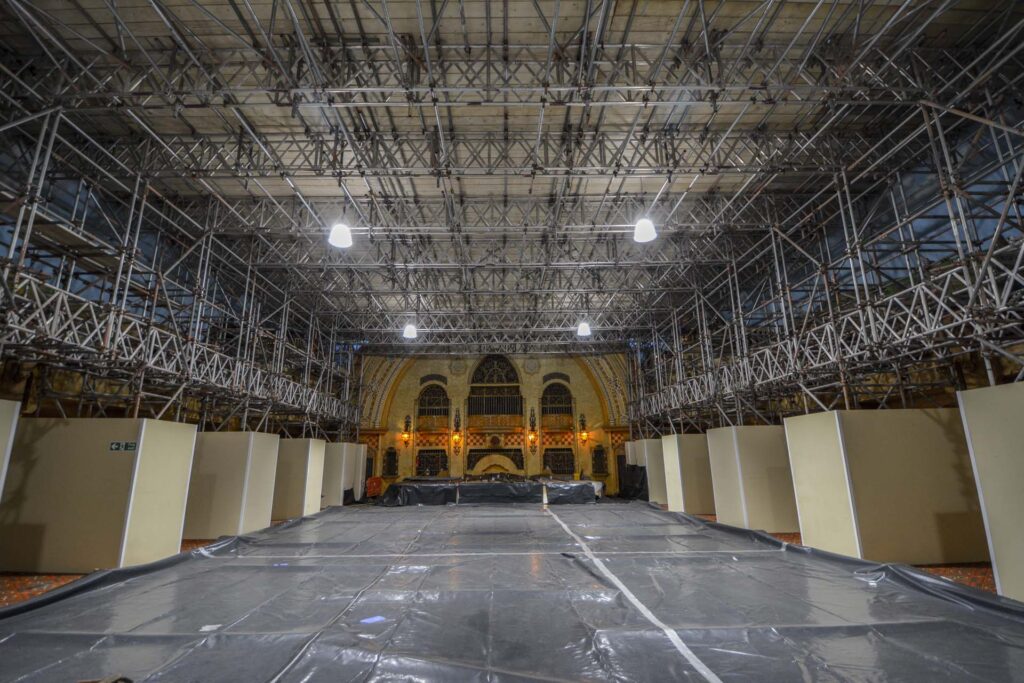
[(512, 593), (444, 491)]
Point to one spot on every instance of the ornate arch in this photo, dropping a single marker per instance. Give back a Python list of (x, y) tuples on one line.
[(495, 370)]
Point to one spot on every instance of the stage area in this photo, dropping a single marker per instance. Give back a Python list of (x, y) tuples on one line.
[(511, 593)]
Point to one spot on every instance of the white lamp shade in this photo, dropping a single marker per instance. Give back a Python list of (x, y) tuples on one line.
[(409, 332), (584, 329), (341, 236), (644, 231)]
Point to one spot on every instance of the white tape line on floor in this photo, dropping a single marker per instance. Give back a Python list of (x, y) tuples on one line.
[(693, 659)]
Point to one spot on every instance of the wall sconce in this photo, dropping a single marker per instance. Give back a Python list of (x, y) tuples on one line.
[(407, 432), (583, 429), (531, 434), (457, 433)]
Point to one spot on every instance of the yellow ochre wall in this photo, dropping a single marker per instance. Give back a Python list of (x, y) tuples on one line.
[(391, 387)]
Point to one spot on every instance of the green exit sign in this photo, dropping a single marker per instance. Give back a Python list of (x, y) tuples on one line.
[(123, 445)]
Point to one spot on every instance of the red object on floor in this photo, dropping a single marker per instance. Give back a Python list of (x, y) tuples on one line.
[(374, 487)]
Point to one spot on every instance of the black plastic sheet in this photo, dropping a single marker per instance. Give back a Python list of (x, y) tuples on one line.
[(633, 482), (507, 593), (570, 492), (451, 491)]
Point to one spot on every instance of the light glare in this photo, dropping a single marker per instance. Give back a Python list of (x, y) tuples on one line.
[(644, 231), (341, 236)]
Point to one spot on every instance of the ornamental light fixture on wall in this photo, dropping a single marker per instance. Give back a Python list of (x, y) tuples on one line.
[(457, 433), (407, 431), (584, 435), (531, 434)]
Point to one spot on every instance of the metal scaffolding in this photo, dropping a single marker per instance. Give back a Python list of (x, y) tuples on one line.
[(836, 185)]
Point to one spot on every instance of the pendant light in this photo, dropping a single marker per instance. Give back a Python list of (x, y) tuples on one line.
[(340, 236), (644, 231)]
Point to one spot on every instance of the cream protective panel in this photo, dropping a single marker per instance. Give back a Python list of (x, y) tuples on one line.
[(913, 488), (725, 477), (217, 485), (698, 490), (359, 485), (994, 428), (334, 474), (631, 457), (299, 478), (350, 454), (821, 483), (767, 484), (66, 496), (655, 460), (671, 448), (688, 474), (9, 412), (314, 476), (157, 511), (259, 491)]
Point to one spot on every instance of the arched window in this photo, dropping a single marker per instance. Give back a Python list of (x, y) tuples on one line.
[(556, 408), (556, 400), (494, 390), (495, 370), (432, 408), (433, 401)]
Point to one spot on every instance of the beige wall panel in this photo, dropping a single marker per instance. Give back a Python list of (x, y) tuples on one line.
[(359, 485), (725, 477), (655, 461), (631, 455), (9, 412), (688, 474), (65, 499), (913, 488), (671, 449), (157, 510), (232, 485), (259, 494), (299, 478), (350, 453), (766, 478), (217, 486), (820, 482), (334, 474), (994, 424)]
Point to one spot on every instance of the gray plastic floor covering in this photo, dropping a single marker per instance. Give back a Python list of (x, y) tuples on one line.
[(512, 593)]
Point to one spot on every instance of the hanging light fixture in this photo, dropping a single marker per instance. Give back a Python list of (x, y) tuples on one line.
[(583, 330), (410, 331), (644, 231), (340, 236)]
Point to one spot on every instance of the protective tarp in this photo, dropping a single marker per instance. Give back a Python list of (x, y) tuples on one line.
[(633, 482), (512, 593), (471, 492), (569, 492), (426, 491), (419, 493)]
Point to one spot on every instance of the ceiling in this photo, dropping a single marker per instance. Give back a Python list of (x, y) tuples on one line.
[(493, 157)]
